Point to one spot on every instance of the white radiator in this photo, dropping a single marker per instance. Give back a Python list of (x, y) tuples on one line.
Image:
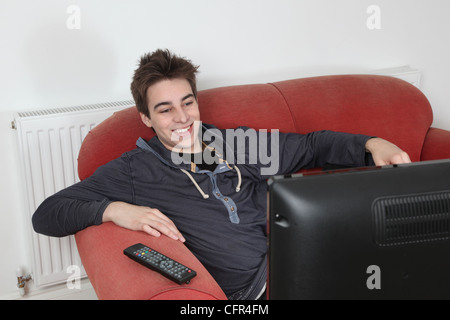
[(49, 142)]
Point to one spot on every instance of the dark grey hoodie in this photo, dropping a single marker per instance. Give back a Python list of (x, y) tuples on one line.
[(222, 214)]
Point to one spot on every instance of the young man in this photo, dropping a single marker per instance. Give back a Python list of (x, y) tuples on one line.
[(218, 207)]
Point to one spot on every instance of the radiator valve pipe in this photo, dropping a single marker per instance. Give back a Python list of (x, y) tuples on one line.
[(22, 280)]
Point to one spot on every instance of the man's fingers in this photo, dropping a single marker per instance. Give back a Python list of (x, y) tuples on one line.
[(158, 225), (161, 215), (405, 157), (169, 225), (150, 230), (400, 158)]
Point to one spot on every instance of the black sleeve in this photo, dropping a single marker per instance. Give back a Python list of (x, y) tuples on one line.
[(82, 204), (290, 152), (321, 148)]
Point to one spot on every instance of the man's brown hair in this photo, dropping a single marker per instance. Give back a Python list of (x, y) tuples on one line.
[(156, 66)]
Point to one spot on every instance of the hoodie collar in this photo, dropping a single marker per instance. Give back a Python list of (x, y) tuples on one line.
[(155, 146)]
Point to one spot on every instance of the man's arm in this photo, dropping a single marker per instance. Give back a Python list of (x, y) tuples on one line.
[(319, 149), (322, 148), (105, 196)]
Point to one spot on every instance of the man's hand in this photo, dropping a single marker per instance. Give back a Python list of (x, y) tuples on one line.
[(145, 219), (384, 152)]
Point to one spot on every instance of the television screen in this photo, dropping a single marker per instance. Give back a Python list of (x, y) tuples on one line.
[(368, 233)]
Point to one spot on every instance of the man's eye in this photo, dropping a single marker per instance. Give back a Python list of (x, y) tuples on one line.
[(188, 103), (165, 110)]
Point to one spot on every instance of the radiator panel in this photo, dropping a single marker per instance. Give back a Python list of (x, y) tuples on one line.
[(49, 143)]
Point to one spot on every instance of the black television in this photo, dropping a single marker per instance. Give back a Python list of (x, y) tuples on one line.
[(367, 233)]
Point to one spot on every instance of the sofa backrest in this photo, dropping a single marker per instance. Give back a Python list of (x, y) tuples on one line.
[(374, 105)]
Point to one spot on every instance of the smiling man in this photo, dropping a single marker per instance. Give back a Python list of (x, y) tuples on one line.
[(217, 208)]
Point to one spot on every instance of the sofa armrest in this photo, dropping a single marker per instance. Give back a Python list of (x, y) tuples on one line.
[(436, 145), (115, 276)]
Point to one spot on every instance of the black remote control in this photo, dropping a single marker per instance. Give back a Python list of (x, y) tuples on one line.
[(158, 262)]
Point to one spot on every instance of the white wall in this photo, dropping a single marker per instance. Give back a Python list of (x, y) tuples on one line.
[(45, 64)]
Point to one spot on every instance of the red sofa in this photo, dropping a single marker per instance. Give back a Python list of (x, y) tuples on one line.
[(374, 105)]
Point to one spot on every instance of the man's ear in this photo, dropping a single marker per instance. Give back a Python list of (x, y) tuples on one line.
[(146, 120)]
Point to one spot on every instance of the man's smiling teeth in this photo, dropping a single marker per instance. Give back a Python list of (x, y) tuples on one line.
[(182, 130)]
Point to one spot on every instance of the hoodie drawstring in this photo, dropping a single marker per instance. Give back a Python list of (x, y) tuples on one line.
[(238, 187), (206, 196)]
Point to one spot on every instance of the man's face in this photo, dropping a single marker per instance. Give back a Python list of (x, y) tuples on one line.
[(173, 110)]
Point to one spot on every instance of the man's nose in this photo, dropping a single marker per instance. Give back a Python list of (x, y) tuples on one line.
[(181, 115)]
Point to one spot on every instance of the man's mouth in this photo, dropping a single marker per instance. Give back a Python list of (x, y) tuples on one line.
[(183, 131)]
